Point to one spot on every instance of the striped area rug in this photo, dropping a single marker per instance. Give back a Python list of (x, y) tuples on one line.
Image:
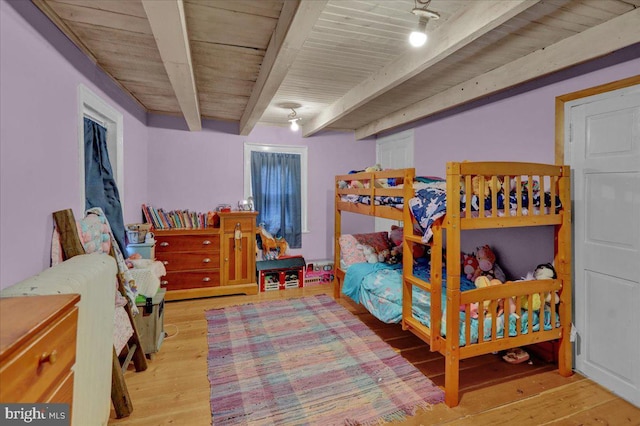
[(307, 361)]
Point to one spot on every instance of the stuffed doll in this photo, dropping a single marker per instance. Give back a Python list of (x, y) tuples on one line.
[(542, 272), (546, 271)]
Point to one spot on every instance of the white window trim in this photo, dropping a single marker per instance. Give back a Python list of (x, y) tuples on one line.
[(285, 149), (97, 109)]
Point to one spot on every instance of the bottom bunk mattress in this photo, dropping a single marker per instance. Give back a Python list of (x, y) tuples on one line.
[(378, 287)]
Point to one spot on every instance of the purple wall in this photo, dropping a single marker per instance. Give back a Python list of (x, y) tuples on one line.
[(520, 127), (39, 164), (169, 167), (199, 170)]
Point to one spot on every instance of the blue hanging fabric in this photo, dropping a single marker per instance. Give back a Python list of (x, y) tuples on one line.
[(99, 183), (275, 180)]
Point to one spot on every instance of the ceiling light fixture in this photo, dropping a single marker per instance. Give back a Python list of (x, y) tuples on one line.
[(293, 119), (418, 37)]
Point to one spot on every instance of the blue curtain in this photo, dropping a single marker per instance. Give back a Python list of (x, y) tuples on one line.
[(275, 181), (99, 183)]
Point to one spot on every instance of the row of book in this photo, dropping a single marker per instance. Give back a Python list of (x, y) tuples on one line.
[(177, 219)]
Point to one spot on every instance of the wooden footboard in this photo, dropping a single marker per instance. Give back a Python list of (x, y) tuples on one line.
[(519, 302)]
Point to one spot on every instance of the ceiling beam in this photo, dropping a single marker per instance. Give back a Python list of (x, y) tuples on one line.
[(474, 21), (615, 34), (296, 22), (169, 29)]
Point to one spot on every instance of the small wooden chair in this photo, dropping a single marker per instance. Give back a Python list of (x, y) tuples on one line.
[(72, 246)]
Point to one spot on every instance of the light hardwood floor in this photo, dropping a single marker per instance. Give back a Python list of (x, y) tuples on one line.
[(175, 389)]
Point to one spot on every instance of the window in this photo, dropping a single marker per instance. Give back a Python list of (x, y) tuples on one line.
[(95, 108), (279, 173)]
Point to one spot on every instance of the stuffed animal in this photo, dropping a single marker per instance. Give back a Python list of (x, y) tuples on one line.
[(484, 281), (487, 264), (395, 255), (475, 184), (542, 272), (473, 309), (546, 271), (470, 266), (396, 236), (383, 255), (369, 253)]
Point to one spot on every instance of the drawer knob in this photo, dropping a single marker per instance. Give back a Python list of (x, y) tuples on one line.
[(50, 357), (206, 279), (165, 262), (164, 244), (164, 282), (206, 260), (206, 242)]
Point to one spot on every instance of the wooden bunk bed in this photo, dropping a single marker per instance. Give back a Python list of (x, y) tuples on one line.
[(555, 183)]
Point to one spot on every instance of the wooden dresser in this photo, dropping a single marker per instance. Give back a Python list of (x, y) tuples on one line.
[(210, 262), (38, 348)]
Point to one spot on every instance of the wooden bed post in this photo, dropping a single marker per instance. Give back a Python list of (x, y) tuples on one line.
[(563, 263), (452, 346), (407, 246)]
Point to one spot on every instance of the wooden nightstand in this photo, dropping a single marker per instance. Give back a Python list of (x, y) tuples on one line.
[(38, 348)]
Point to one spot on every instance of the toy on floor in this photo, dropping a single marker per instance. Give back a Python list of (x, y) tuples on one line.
[(516, 356)]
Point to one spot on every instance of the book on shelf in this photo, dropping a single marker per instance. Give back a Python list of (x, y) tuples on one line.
[(177, 219)]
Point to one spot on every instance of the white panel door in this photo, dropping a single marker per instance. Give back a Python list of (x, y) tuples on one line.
[(394, 152), (605, 158)]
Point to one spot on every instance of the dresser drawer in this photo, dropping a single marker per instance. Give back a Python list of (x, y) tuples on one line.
[(246, 224), (190, 260), (179, 243), (64, 391), (37, 371), (191, 279)]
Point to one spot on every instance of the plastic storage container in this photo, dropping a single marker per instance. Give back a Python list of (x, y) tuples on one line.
[(146, 250)]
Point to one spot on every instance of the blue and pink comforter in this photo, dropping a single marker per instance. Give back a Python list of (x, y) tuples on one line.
[(378, 287)]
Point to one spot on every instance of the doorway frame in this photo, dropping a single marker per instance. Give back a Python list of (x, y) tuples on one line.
[(560, 135)]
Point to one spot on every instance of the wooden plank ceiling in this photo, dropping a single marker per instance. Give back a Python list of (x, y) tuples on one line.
[(346, 63)]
